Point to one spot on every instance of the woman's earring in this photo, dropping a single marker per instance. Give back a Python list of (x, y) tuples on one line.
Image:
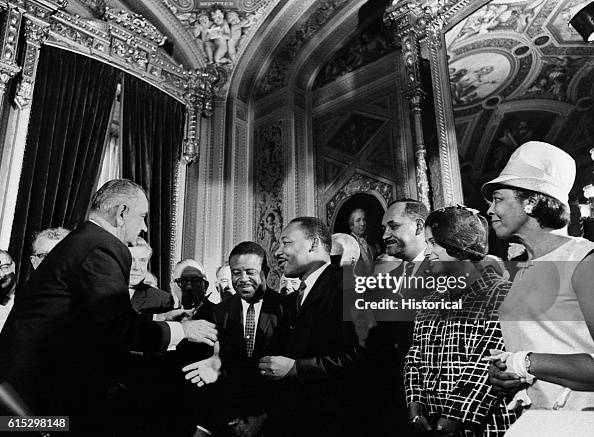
[(528, 209)]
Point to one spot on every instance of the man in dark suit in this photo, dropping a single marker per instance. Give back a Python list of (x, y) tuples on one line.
[(248, 323), (318, 351), (388, 343), (144, 298), (71, 324)]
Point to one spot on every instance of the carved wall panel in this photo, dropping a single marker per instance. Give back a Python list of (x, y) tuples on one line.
[(269, 173)]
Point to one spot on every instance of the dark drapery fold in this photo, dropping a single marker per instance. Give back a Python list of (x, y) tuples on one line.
[(69, 117), (152, 134)]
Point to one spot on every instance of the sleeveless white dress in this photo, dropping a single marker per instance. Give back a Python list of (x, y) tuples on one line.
[(541, 313)]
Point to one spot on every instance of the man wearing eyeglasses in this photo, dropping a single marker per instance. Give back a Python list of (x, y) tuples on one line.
[(7, 285), (189, 288), (45, 241)]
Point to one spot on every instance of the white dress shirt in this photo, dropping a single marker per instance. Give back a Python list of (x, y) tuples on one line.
[(418, 260), (311, 280)]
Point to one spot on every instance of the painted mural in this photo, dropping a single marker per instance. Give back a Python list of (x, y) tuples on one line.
[(498, 15), (516, 68), (366, 46), (477, 76), (516, 129), (268, 193), (554, 77)]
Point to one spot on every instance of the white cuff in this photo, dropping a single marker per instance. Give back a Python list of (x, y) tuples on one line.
[(176, 334)]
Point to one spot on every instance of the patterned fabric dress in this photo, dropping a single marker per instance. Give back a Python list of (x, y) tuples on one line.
[(443, 369)]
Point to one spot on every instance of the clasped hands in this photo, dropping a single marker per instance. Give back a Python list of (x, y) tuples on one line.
[(444, 426), (507, 371)]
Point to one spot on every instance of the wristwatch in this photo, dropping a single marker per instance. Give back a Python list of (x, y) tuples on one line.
[(414, 419)]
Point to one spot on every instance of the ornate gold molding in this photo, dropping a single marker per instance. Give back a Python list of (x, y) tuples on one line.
[(36, 32), (10, 35)]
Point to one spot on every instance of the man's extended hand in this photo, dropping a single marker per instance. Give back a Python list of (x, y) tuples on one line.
[(200, 331), (501, 380), (206, 371), (277, 367)]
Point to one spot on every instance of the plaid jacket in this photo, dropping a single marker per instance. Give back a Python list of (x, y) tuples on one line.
[(443, 369)]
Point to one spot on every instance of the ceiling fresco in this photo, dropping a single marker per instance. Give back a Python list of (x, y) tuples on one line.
[(519, 72)]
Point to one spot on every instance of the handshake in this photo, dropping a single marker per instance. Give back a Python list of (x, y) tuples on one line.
[(197, 331)]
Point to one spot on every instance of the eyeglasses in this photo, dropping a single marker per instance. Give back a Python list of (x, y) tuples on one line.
[(182, 282), (40, 256)]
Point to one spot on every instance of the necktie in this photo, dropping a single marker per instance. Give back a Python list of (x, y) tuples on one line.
[(250, 330), (301, 291), (409, 267)]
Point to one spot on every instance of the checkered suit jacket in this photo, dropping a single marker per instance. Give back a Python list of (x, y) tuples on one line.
[(443, 368)]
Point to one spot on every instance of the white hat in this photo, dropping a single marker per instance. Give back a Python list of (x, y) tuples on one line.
[(539, 167)]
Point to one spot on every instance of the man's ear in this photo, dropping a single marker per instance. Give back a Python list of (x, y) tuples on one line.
[(420, 230), (121, 212), (315, 243)]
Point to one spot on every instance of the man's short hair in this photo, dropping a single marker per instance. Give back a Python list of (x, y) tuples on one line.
[(141, 242), (114, 193), (7, 254), (56, 234), (414, 209), (314, 227), (251, 248), (219, 268), (351, 219)]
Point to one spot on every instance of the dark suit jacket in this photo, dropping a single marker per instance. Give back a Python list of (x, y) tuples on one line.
[(326, 350), (72, 322), (387, 346), (151, 300), (244, 390)]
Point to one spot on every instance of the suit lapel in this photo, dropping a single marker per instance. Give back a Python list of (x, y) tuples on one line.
[(138, 298), (264, 322), (236, 322), (317, 290)]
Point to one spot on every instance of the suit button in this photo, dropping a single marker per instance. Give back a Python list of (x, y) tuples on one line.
[(292, 327)]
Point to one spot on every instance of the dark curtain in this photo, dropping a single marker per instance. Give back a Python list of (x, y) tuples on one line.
[(71, 108), (152, 134)]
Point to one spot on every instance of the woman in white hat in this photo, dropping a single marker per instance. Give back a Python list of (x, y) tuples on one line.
[(547, 318)]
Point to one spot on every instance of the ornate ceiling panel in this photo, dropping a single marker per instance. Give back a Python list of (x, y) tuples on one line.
[(518, 72)]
